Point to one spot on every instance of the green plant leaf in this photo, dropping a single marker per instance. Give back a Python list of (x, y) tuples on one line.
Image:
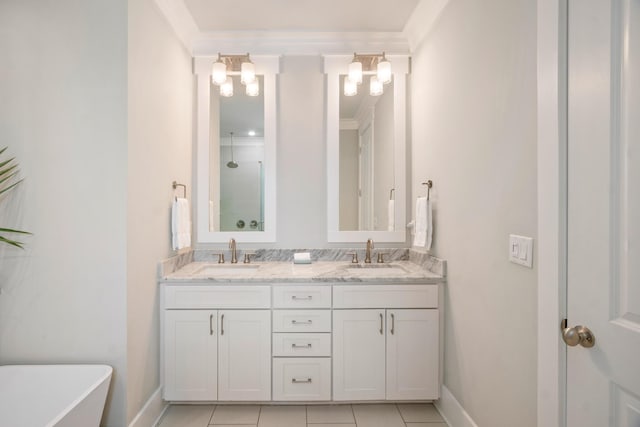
[(9, 171), (12, 242)]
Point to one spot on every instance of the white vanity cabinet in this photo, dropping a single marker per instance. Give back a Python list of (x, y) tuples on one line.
[(190, 355), (217, 343), (301, 342), (386, 346)]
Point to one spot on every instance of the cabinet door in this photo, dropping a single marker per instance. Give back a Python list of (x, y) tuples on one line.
[(412, 354), (244, 369), (358, 355), (190, 355)]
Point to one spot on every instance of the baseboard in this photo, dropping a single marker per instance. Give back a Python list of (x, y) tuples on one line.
[(452, 411), (151, 412)]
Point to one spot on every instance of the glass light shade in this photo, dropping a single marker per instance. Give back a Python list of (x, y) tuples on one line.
[(375, 86), (253, 88), (350, 87), (219, 72), (355, 72), (247, 72), (226, 88), (384, 71)]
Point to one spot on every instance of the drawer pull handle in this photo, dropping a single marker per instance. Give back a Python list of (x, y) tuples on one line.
[(393, 324), (381, 325), (298, 322), (211, 324), (222, 325), (297, 298), (301, 346), (300, 381)]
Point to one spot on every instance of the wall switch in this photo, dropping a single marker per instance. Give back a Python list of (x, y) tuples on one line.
[(521, 250)]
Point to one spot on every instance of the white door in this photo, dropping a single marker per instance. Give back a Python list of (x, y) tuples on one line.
[(412, 355), (603, 282), (244, 369), (190, 355), (358, 355)]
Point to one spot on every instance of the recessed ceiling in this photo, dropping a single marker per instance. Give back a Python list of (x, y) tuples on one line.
[(301, 15)]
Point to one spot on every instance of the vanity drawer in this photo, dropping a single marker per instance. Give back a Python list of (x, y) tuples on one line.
[(385, 296), (302, 321), (302, 296), (302, 378), (177, 297), (302, 345)]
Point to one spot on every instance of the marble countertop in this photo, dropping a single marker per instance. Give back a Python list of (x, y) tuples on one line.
[(400, 272)]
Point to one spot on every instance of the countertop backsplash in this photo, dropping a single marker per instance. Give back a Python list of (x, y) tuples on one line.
[(423, 259)]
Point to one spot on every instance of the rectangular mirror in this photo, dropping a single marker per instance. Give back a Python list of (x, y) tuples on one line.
[(236, 156), (366, 173), (236, 180), (366, 156)]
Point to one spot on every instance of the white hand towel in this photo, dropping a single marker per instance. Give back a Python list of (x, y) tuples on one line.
[(392, 215), (424, 223), (180, 224)]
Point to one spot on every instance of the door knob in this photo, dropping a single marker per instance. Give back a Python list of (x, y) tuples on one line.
[(577, 335)]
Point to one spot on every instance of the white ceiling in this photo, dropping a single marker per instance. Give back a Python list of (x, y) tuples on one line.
[(301, 15)]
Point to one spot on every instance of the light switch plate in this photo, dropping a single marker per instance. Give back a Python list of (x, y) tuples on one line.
[(521, 250)]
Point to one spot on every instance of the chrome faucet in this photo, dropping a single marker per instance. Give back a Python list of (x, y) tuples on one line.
[(367, 255), (234, 255)]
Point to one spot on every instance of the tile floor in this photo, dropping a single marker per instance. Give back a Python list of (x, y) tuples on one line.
[(373, 415)]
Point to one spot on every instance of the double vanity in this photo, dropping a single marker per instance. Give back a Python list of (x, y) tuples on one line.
[(276, 331)]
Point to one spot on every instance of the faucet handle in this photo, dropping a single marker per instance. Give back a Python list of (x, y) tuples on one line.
[(354, 257), (220, 258), (381, 257), (247, 257)]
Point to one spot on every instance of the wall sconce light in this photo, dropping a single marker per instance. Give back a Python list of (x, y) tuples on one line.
[(376, 64), (229, 65)]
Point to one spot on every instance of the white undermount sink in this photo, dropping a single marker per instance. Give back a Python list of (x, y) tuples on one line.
[(225, 269)]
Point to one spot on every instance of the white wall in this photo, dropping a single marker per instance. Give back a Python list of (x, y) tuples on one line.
[(301, 153), (474, 118), (161, 93), (63, 83)]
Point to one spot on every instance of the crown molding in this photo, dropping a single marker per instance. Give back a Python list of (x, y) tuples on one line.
[(180, 19), (422, 20), (298, 43), (200, 43)]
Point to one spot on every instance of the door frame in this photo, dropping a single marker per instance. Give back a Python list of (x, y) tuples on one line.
[(552, 32)]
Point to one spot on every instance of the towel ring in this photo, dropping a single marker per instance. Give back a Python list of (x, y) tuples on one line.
[(429, 184), (184, 188)]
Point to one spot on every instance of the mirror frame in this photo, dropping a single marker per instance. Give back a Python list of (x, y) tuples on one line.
[(269, 67), (334, 66)]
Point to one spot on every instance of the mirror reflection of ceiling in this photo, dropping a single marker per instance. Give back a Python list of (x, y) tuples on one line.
[(241, 113), (301, 15)]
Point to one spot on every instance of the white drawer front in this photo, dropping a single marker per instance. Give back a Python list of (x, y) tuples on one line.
[(301, 321), (382, 296), (217, 296), (302, 379), (302, 345), (300, 296)]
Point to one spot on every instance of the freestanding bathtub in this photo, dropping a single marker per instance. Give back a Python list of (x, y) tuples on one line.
[(53, 395)]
